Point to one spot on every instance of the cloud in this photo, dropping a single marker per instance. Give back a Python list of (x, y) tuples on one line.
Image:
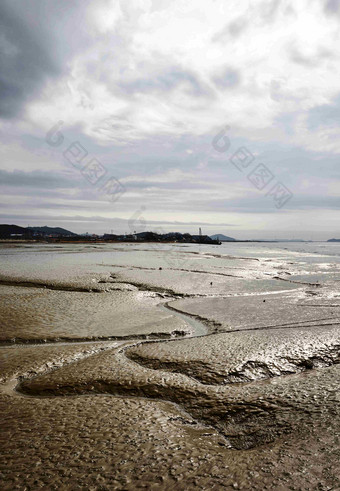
[(325, 114), (164, 81), (25, 61), (35, 179), (332, 6), (146, 85), (37, 41), (120, 225), (176, 186), (270, 9), (227, 78), (232, 30), (236, 27), (311, 60)]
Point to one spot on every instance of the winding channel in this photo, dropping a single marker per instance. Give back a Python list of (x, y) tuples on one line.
[(12, 385), (210, 410)]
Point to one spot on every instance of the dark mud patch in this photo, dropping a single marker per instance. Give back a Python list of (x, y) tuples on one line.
[(242, 424)]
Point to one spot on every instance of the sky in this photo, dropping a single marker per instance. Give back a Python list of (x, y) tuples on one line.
[(164, 115)]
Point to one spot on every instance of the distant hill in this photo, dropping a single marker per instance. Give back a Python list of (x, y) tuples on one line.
[(14, 231), (8, 231), (333, 240), (51, 230), (221, 237)]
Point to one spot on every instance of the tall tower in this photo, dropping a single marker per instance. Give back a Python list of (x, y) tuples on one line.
[(200, 232)]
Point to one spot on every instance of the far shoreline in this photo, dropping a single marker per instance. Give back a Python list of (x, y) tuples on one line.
[(129, 241)]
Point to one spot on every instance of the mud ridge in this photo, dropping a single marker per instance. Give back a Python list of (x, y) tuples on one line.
[(251, 371), (32, 284), (213, 325), (294, 325), (153, 335), (227, 256), (149, 288), (172, 269), (296, 281), (319, 305)]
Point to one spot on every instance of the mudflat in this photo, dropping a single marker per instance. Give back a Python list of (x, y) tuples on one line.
[(161, 366)]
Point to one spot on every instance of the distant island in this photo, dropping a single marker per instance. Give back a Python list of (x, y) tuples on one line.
[(221, 237), (51, 231), (57, 234), (13, 231), (16, 232), (169, 237)]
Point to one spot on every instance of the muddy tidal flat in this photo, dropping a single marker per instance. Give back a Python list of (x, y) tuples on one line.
[(170, 366)]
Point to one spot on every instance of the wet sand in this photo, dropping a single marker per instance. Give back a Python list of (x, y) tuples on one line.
[(124, 368)]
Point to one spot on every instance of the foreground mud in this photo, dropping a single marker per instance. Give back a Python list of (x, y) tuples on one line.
[(104, 442), (129, 372)]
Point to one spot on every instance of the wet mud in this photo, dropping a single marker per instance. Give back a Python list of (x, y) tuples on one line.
[(146, 375)]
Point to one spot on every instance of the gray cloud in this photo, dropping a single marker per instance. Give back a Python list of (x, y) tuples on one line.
[(286, 121), (35, 179), (236, 27), (332, 6), (25, 60), (269, 10), (98, 218), (300, 59), (325, 115), (233, 29), (265, 204), (165, 81), (227, 78), (309, 61), (177, 185), (32, 47)]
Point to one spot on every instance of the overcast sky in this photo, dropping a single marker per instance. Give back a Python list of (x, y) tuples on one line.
[(186, 113)]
